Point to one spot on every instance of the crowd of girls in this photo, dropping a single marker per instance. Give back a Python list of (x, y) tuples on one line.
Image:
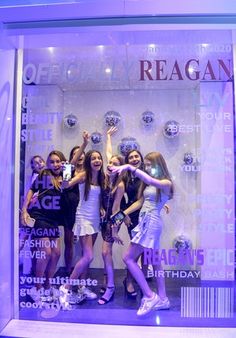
[(140, 187)]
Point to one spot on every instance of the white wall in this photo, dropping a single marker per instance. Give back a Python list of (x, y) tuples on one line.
[(90, 108)]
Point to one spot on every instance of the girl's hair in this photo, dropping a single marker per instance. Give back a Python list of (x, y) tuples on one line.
[(57, 153), (32, 161), (48, 171), (88, 172), (131, 151), (157, 161), (119, 158), (118, 178), (127, 175), (71, 152)]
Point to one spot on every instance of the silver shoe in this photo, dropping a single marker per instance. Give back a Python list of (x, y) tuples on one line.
[(162, 304), (147, 304), (87, 293), (64, 298)]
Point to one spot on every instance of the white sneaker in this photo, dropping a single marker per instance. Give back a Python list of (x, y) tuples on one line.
[(64, 297), (87, 293), (162, 304), (147, 304)]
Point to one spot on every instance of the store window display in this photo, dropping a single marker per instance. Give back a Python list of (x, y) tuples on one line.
[(172, 96)]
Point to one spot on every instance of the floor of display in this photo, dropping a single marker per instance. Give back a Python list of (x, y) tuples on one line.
[(124, 309), (32, 329)]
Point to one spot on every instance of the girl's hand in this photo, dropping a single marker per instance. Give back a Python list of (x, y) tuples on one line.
[(127, 221), (111, 131), (86, 137), (102, 213), (24, 216), (119, 169), (116, 237), (65, 185)]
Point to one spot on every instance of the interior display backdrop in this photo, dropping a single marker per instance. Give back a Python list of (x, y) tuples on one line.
[(187, 86)]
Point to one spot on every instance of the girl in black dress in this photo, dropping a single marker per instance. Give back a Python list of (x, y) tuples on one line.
[(70, 201), (111, 199), (132, 184), (46, 211)]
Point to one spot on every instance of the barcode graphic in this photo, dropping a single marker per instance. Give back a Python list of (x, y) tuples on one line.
[(207, 302)]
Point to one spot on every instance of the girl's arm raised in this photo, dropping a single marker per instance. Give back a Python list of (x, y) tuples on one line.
[(110, 132), (81, 148)]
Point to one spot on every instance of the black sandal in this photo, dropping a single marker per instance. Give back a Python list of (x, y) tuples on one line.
[(102, 290), (129, 294), (105, 300)]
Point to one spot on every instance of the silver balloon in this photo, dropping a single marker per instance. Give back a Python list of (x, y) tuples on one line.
[(171, 129), (70, 121), (181, 243), (96, 137), (188, 158), (127, 144), (112, 118), (147, 118)]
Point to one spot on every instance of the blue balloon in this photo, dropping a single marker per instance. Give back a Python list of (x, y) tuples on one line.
[(112, 118), (188, 158), (182, 243), (96, 137), (147, 118), (70, 121), (127, 144), (171, 129)]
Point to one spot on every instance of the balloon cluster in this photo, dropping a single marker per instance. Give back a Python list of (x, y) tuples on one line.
[(112, 118), (70, 121), (171, 129), (127, 144)]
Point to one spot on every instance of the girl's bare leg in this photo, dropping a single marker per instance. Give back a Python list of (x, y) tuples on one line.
[(130, 259)]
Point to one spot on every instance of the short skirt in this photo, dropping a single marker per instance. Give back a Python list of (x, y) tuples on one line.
[(147, 233), (84, 226)]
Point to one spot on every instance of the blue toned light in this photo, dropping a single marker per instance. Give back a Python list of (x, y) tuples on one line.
[(51, 49), (158, 320)]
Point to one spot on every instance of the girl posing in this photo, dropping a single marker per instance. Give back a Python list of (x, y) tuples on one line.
[(87, 220), (46, 211), (111, 199), (156, 190)]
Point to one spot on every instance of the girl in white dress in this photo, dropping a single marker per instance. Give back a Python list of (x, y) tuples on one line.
[(87, 219), (156, 189)]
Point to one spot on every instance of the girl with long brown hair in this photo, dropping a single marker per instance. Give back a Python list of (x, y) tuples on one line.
[(156, 190), (87, 220), (111, 198), (46, 211)]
